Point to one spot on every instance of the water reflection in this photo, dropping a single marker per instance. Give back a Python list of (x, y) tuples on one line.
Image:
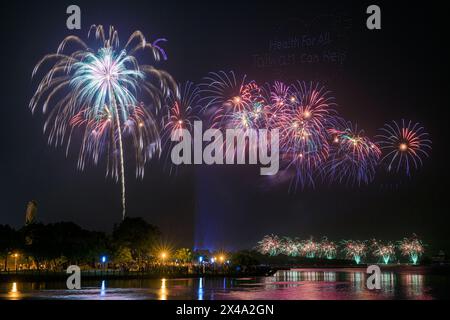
[(414, 285), (163, 290), (388, 281), (356, 278), (329, 276), (103, 288), (296, 284), (296, 275), (200, 289), (349, 283), (14, 292)]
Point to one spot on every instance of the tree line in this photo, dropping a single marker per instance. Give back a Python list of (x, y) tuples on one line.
[(56, 245)]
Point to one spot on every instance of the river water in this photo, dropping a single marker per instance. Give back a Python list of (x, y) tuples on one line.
[(295, 284)]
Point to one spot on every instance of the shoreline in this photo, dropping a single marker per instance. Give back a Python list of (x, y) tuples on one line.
[(60, 276), (264, 272)]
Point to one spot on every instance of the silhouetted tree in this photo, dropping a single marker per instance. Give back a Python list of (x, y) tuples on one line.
[(245, 258), (76, 244), (122, 255), (137, 235), (39, 242), (183, 255), (9, 241), (65, 240)]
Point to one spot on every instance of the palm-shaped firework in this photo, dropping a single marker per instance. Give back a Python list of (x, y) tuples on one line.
[(412, 247), (328, 248), (270, 244), (95, 92), (309, 248), (386, 251), (355, 249)]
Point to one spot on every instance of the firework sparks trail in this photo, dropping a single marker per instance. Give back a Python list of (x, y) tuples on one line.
[(182, 111), (309, 248), (328, 249), (96, 91), (355, 249), (405, 144), (222, 93), (353, 156), (306, 113), (270, 244), (384, 251), (314, 140), (412, 247), (253, 114), (291, 247), (275, 96), (234, 104)]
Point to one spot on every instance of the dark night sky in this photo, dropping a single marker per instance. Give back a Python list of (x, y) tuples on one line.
[(400, 71)]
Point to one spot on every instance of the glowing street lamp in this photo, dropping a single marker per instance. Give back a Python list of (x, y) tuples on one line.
[(15, 255), (163, 256), (103, 261)]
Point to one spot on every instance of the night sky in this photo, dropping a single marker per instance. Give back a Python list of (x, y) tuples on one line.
[(398, 72)]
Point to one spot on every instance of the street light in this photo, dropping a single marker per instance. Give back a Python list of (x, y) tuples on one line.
[(163, 256), (15, 255), (103, 260)]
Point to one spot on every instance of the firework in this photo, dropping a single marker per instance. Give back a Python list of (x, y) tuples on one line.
[(309, 248), (355, 249), (314, 141), (328, 248), (412, 248), (405, 144), (384, 251), (353, 156), (270, 244), (291, 247), (95, 91), (276, 96), (278, 93), (232, 102), (253, 116), (224, 90), (307, 114), (181, 112)]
